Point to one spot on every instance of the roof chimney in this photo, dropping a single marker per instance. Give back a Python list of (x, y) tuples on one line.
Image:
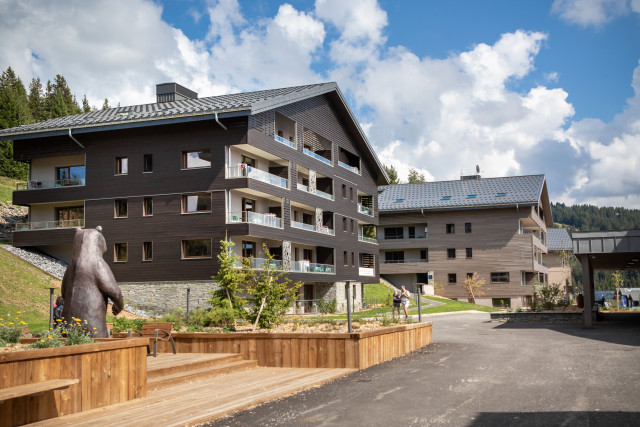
[(169, 92)]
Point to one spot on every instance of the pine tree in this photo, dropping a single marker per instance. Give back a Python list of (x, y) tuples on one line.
[(14, 111), (105, 106), (58, 107), (392, 173), (415, 177), (86, 108), (36, 101)]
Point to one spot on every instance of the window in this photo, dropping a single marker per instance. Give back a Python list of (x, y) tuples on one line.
[(307, 254), (344, 224), (469, 252), (120, 208), (147, 251), (471, 196), (307, 218), (422, 278), (351, 193), (398, 201), (394, 257), (196, 203), (353, 260), (412, 232), (451, 228), (501, 194), (147, 163), (346, 258), (198, 248), (249, 161), (451, 253), (452, 278), (424, 254), (196, 159), (122, 165), (120, 252), (353, 228), (467, 227), (502, 277), (344, 191), (446, 197), (469, 275), (70, 216), (147, 206), (393, 233), (70, 175), (248, 249), (501, 302)]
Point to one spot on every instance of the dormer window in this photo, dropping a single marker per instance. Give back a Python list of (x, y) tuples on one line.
[(446, 197), (501, 194)]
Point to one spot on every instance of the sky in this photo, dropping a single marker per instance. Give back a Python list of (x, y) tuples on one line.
[(516, 87)]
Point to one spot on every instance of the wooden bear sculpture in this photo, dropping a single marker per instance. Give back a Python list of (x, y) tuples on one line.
[(88, 284)]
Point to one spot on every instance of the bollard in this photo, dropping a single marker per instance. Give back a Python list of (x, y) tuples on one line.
[(419, 304), (188, 293), (349, 304)]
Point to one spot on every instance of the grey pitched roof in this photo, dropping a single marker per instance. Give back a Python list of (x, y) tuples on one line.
[(558, 239), (458, 194), (249, 102)]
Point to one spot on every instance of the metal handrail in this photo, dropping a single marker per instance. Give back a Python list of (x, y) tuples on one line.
[(34, 184), (47, 225)]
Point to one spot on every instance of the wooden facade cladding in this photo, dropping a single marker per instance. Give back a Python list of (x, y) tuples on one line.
[(494, 240), (167, 227)]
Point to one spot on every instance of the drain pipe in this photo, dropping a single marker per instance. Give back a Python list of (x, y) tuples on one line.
[(218, 121), (75, 140)]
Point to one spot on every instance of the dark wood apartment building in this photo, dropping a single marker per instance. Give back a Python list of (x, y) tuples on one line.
[(442, 232), (287, 169)]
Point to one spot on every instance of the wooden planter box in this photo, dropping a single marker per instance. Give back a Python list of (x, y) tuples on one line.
[(108, 372), (316, 350)]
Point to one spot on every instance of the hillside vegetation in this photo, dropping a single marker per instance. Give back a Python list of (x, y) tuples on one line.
[(24, 289)]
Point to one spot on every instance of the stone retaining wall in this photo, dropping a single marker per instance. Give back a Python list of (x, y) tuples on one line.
[(540, 317), (162, 297)]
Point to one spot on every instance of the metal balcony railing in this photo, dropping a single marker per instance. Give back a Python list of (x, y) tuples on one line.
[(367, 239), (268, 220), (36, 185), (284, 141), (364, 209), (48, 225), (311, 267), (303, 226), (351, 168)]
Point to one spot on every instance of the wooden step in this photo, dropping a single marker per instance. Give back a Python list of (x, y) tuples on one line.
[(198, 374), (170, 364)]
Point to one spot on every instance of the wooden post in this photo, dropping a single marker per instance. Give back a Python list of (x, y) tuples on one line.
[(349, 304)]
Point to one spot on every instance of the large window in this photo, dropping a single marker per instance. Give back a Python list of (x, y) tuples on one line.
[(394, 256), (122, 165), (198, 248), (501, 277), (393, 233), (467, 227), (147, 251), (120, 252), (70, 175), (451, 228), (451, 253), (248, 249), (120, 208), (424, 254), (196, 159), (196, 203), (469, 252), (70, 215), (412, 232), (452, 278)]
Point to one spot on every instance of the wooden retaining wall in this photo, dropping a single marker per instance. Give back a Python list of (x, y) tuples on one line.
[(108, 373), (310, 350)]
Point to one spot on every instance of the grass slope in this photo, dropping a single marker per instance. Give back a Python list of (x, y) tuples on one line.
[(24, 288), (7, 186)]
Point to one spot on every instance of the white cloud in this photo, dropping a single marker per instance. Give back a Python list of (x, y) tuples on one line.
[(592, 12)]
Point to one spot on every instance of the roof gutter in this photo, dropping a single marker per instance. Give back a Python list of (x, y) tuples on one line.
[(75, 140), (218, 121)]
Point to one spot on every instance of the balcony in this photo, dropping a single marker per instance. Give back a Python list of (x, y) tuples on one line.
[(49, 225), (322, 194), (37, 185), (242, 170), (310, 267), (311, 227), (351, 168), (316, 156), (248, 217), (365, 210), (368, 240), (404, 261), (284, 141)]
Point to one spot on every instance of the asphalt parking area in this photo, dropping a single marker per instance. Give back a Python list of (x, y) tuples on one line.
[(478, 373)]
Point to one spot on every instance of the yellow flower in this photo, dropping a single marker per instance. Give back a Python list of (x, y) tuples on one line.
[(10, 323), (1, 319), (58, 320), (94, 329), (41, 340), (50, 337), (77, 320), (23, 323), (19, 312)]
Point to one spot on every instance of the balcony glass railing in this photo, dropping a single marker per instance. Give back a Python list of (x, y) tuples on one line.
[(35, 184), (257, 263), (326, 230), (365, 210), (367, 239), (351, 168), (47, 225), (323, 194), (268, 220), (303, 187), (303, 226), (284, 141), (242, 170), (316, 156), (310, 267), (320, 193)]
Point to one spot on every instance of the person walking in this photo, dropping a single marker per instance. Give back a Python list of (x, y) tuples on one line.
[(406, 300)]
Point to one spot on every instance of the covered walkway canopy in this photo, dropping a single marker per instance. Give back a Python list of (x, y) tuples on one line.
[(604, 250)]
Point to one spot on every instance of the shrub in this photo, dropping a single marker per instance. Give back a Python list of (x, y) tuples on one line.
[(75, 332), (120, 324), (387, 321), (48, 338), (546, 296), (327, 307), (176, 316), (221, 317)]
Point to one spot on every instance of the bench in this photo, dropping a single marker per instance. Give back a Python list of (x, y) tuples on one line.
[(35, 389), (155, 331)]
